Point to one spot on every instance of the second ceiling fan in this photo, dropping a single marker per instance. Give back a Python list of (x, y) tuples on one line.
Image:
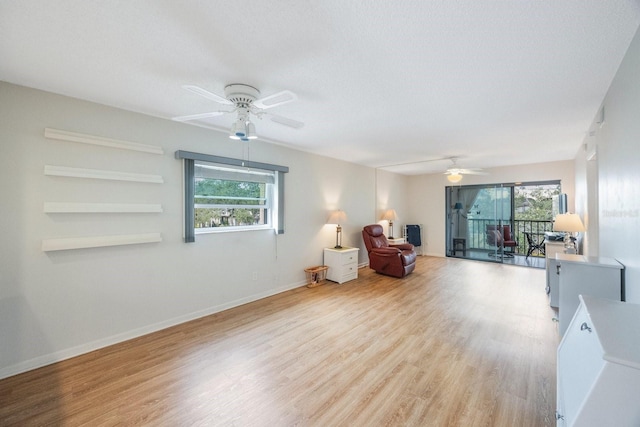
[(454, 173)]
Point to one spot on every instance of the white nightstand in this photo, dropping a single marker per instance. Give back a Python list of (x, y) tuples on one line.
[(342, 263), (396, 241)]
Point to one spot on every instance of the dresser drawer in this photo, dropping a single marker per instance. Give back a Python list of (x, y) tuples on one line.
[(347, 269), (350, 258)]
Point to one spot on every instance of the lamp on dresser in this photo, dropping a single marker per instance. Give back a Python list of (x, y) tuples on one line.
[(570, 224), (337, 217), (390, 216)]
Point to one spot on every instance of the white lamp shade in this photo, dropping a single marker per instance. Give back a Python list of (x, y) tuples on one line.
[(337, 217), (568, 222), (239, 128), (251, 131), (390, 215), (232, 134)]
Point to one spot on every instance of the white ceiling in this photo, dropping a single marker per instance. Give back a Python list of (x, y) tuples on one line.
[(494, 83)]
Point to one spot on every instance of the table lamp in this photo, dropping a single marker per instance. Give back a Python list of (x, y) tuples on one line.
[(390, 216), (570, 224), (337, 217)]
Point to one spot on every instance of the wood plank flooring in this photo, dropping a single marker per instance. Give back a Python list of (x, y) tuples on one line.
[(456, 343)]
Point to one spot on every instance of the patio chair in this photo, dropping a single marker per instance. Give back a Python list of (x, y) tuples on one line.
[(534, 245), (500, 236)]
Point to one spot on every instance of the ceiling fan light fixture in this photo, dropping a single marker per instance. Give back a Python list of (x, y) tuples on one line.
[(251, 131), (238, 129), (454, 177), (232, 132)]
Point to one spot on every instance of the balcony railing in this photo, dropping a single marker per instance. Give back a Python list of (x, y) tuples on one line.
[(477, 233)]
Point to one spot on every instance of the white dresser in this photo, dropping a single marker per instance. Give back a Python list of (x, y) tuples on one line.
[(342, 263), (581, 275), (598, 379)]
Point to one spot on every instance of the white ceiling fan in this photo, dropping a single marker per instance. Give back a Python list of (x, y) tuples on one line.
[(454, 173), (243, 99)]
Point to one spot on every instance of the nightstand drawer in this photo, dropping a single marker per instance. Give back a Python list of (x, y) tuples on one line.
[(349, 258), (347, 269)]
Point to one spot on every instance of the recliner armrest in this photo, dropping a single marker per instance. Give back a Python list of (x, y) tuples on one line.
[(403, 246), (387, 251)]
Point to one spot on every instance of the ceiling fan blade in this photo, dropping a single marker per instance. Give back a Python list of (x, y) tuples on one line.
[(472, 172), (212, 96), (198, 116), (276, 99), (285, 121)]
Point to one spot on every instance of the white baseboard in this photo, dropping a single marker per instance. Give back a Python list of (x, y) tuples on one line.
[(439, 255), (58, 356)]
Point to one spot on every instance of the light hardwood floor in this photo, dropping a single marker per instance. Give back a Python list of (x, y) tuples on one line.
[(456, 343)]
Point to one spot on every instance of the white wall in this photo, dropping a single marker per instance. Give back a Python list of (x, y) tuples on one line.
[(427, 194), (391, 191), (618, 173), (55, 305)]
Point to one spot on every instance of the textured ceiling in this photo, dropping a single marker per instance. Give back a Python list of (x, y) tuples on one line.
[(380, 83)]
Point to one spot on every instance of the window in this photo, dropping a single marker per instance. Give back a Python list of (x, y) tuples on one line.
[(224, 194), (230, 198)]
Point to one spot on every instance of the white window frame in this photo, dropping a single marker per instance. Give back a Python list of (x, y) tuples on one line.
[(189, 160), (207, 170)]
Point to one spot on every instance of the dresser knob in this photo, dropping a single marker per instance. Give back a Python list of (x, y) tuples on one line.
[(585, 327)]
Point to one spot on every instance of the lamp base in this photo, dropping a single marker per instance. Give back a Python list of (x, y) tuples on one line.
[(338, 238), (570, 242)]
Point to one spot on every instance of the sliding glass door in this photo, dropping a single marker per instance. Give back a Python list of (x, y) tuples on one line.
[(479, 217)]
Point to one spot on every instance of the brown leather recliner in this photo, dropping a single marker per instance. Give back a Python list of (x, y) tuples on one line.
[(392, 260)]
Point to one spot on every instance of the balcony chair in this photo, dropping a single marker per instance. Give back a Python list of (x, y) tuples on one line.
[(390, 260), (533, 245), (500, 236)]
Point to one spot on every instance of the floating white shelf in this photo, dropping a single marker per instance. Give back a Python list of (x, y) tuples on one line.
[(56, 207), (101, 174), (97, 140), (99, 241)]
